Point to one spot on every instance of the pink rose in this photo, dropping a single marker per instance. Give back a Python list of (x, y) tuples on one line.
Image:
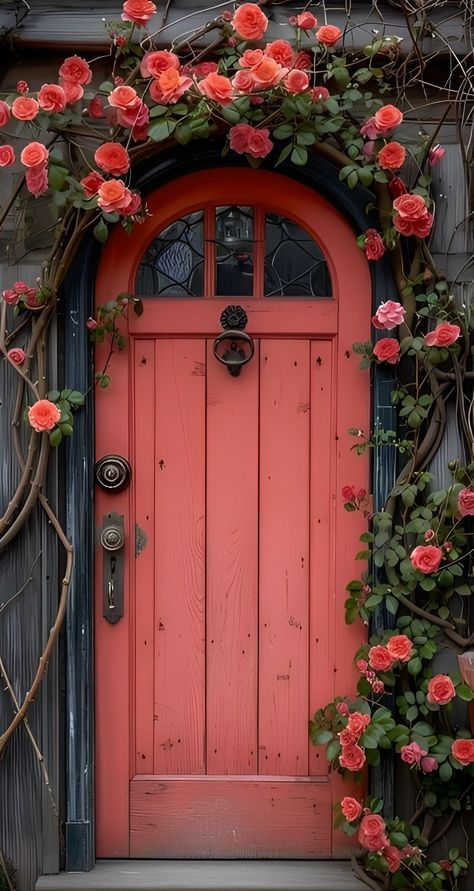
[(400, 647), (319, 94), (412, 216), (200, 68), (348, 493), (373, 245), (378, 687), (358, 722), (249, 140), (362, 665), (347, 738), (436, 155), (342, 707), (352, 758), (393, 857), (91, 183), (303, 61), (280, 51), (391, 156), (138, 11), (73, 91), (250, 22), (43, 415), (389, 315), (10, 296), (21, 287), (113, 196), (296, 81), (136, 117), (429, 535), (328, 35), (91, 324), (243, 81), (463, 751), (267, 73), (387, 350), (37, 181), (380, 658), (113, 158), (387, 118), (35, 154), (4, 113), (305, 20), (76, 69), (24, 108), (153, 64), (16, 355), (372, 825), (169, 87), (251, 57), (444, 335), (124, 97), (217, 87), (428, 764), (375, 843), (7, 156), (426, 558), (440, 689), (95, 108), (52, 98), (466, 502), (412, 753), (351, 808)]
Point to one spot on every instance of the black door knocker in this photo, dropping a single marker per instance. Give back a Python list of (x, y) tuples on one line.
[(233, 321)]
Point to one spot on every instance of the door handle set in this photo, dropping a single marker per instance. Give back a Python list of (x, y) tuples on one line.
[(112, 539)]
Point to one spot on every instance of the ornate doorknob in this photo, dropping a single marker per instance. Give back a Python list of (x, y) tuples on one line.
[(240, 346)]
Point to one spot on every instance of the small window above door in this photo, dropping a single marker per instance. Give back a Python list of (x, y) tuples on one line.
[(234, 251)]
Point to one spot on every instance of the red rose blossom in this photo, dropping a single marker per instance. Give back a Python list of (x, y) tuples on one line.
[(387, 350), (373, 246), (444, 334), (138, 11), (426, 558)]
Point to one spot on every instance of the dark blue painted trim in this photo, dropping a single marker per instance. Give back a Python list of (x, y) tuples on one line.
[(78, 301)]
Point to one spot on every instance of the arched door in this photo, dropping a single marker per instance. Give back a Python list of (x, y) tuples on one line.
[(237, 549)]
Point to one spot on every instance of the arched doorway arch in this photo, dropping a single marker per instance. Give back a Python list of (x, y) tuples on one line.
[(273, 447)]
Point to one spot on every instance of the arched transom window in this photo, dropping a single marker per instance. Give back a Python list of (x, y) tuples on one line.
[(234, 251)]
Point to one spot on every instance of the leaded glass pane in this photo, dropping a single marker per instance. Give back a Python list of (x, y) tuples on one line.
[(173, 265), (294, 263), (234, 251)]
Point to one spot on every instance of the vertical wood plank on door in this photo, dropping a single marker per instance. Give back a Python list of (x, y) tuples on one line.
[(322, 630), (232, 567), (284, 557), (179, 709), (144, 492)]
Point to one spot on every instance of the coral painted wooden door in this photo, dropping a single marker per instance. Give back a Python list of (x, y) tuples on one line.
[(233, 567)]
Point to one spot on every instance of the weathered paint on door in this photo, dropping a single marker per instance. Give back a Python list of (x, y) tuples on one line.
[(233, 631)]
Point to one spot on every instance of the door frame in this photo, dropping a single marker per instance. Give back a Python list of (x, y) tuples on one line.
[(78, 290)]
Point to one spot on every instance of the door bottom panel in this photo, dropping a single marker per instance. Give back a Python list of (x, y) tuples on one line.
[(230, 817)]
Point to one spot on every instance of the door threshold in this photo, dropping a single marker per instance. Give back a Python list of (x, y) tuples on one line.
[(207, 875)]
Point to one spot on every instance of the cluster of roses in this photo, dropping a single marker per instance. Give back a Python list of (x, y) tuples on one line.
[(383, 657), (354, 497), (372, 834), (352, 756), (389, 315), (22, 294)]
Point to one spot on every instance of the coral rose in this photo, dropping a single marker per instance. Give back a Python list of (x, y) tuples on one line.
[(138, 11), (201, 68), (391, 156), (342, 708), (296, 81), (305, 20), (95, 108), (466, 502), (250, 22), (4, 113), (10, 296), (73, 91), (463, 751), (328, 34), (303, 61), (267, 73), (387, 350), (351, 808), (37, 181), (348, 493), (371, 826), (35, 154), (76, 69), (153, 64), (444, 334), (412, 753), (393, 857), (380, 658), (428, 764), (373, 245), (250, 58), (389, 315), (412, 216), (7, 156), (52, 98), (43, 415), (440, 689), (16, 355), (358, 722), (25, 108), (400, 647), (137, 116), (113, 158), (387, 118), (347, 738), (254, 142), (124, 97), (113, 196), (281, 51), (426, 558), (169, 86), (91, 183), (243, 81), (352, 758), (217, 87)]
